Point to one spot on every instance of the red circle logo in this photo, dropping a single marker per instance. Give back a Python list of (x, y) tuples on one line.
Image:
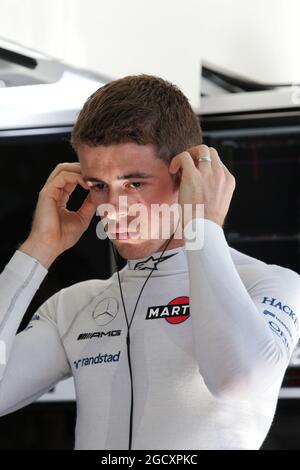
[(178, 318)]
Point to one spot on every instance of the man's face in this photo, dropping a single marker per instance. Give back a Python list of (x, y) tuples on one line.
[(133, 171)]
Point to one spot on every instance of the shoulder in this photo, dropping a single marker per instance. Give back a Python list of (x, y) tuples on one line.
[(259, 276), (62, 307)]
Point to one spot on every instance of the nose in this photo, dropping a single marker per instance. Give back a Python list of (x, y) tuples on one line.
[(113, 197), (116, 206)]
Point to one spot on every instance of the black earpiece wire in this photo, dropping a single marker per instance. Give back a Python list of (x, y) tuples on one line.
[(129, 325)]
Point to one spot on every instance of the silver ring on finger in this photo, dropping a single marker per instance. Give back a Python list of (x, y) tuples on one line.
[(204, 159)]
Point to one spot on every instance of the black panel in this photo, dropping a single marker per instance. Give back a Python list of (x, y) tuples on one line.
[(40, 426), (25, 164), (284, 433)]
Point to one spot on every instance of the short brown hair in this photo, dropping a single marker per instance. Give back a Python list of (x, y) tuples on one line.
[(144, 109)]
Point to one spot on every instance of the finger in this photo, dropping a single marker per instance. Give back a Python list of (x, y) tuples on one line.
[(87, 210), (205, 166), (215, 158), (226, 169), (69, 187), (65, 180), (199, 151), (63, 200), (66, 192), (183, 161), (229, 175), (66, 166)]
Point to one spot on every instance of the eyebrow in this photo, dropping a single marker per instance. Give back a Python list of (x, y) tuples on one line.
[(128, 176)]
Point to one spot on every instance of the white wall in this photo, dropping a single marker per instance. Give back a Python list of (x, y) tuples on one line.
[(258, 38)]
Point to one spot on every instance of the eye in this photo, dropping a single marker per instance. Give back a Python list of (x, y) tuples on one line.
[(98, 187), (138, 183)]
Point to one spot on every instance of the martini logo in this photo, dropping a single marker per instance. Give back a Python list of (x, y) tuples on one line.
[(177, 311)]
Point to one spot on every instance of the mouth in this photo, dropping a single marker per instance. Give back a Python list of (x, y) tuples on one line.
[(124, 235)]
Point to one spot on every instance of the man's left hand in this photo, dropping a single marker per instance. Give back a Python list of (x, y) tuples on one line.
[(203, 182)]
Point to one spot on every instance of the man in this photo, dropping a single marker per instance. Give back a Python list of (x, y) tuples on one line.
[(181, 349)]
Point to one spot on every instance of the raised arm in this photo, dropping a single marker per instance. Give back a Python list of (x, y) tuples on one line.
[(34, 360), (243, 342), (243, 337)]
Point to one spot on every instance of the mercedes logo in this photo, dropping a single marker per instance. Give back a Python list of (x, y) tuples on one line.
[(105, 311)]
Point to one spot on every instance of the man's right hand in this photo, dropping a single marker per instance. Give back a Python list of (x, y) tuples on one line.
[(55, 228)]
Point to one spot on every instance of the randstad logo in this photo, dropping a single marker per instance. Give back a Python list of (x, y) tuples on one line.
[(88, 361)]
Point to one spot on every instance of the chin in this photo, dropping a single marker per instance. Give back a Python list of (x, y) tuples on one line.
[(137, 250)]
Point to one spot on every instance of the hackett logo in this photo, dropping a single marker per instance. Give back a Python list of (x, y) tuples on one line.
[(177, 311)]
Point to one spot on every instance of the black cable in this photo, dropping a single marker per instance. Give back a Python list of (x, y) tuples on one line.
[(128, 330)]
